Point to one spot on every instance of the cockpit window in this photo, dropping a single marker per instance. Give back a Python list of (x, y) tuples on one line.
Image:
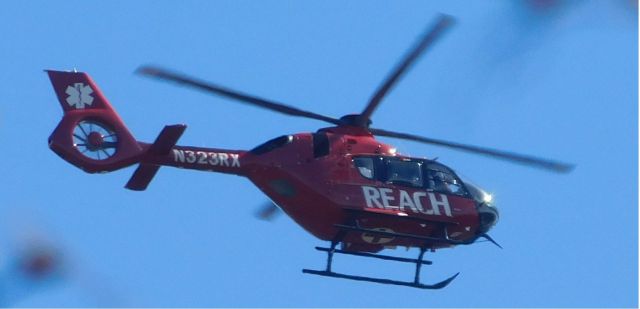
[(404, 172), (365, 167), (442, 179)]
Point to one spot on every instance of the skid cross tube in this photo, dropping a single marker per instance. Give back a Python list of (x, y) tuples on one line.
[(419, 265), (330, 253), (337, 239)]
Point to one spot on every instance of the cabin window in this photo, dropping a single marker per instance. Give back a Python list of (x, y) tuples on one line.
[(365, 167), (404, 172), (320, 144), (442, 179)]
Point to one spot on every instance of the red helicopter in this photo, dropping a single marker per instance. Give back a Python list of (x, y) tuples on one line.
[(339, 183)]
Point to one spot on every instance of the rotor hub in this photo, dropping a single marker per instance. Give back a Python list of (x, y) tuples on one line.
[(95, 140), (355, 120)]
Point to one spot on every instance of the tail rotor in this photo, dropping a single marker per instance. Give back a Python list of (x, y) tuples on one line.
[(95, 140)]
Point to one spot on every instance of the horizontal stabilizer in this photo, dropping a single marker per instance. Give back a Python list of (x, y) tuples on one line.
[(163, 144), (142, 177), (167, 138)]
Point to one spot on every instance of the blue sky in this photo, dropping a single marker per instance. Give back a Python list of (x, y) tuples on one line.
[(559, 83)]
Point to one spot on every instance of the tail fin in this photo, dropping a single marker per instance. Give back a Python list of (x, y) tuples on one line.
[(90, 135)]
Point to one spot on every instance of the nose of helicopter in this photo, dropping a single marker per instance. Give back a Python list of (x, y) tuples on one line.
[(489, 215), (487, 211)]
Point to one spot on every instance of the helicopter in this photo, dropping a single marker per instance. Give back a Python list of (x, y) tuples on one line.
[(339, 183)]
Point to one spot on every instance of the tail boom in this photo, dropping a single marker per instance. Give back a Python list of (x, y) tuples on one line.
[(195, 158), (199, 158), (163, 152)]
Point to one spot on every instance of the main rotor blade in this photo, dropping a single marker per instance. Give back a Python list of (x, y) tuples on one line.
[(498, 154), (427, 39), (232, 94)]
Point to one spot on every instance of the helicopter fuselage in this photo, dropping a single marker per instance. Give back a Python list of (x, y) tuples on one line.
[(313, 178)]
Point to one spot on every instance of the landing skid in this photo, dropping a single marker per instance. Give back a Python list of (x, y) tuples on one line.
[(344, 229), (418, 285), (418, 262)]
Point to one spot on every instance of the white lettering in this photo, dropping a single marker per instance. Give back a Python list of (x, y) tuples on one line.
[(191, 156), (372, 196), (207, 158), (418, 202), (213, 158), (383, 197), (435, 204), (202, 157), (224, 159), (236, 160), (385, 194), (178, 155), (405, 200)]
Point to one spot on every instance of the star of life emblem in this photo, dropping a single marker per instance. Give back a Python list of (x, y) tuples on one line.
[(79, 95)]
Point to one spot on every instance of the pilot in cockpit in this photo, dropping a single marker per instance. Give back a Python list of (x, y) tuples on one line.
[(438, 182)]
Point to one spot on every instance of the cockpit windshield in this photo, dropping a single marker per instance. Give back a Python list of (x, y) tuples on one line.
[(478, 194)]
